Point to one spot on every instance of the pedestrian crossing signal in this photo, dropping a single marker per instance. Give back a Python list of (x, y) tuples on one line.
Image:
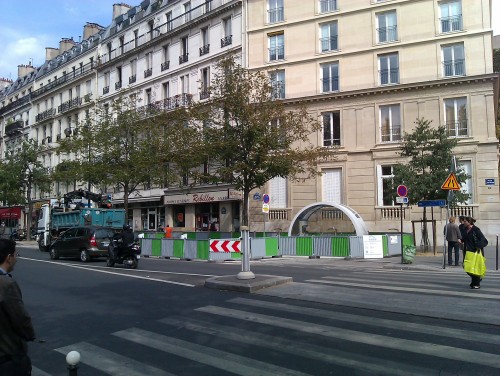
[(451, 183)]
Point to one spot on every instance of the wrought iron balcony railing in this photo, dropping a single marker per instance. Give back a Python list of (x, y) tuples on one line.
[(205, 49), (15, 127), (275, 15), (132, 79), (183, 58), (226, 41), (68, 105), (118, 85), (165, 65), (105, 90), (148, 72), (454, 68), (47, 114)]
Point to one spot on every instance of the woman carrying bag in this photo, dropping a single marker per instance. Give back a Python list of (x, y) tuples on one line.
[(474, 243)]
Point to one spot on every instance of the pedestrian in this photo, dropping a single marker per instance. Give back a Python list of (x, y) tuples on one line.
[(453, 237), (15, 323), (461, 227), (168, 232), (473, 241)]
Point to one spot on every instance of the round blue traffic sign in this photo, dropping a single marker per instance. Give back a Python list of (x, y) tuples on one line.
[(265, 198), (402, 191)]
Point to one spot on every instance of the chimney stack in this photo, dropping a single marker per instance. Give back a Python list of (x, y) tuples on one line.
[(66, 44), (4, 82), (51, 53), (23, 70), (119, 9), (90, 29)]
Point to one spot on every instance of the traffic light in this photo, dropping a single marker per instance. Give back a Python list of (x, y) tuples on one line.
[(106, 201)]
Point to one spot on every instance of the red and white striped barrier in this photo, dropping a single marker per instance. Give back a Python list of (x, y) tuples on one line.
[(225, 246)]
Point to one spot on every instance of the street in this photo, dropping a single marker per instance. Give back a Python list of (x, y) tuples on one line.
[(338, 317)]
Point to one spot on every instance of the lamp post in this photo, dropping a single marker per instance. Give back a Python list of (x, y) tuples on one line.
[(73, 358)]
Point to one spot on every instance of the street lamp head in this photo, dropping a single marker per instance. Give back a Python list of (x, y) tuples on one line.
[(73, 358)]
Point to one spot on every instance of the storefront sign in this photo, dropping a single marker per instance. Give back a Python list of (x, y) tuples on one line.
[(202, 197), (10, 213)]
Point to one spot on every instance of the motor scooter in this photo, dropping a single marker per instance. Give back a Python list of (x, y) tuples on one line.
[(18, 235), (129, 254)]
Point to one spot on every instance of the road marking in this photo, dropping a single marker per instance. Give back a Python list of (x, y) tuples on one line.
[(299, 349), (110, 272), (407, 289), (229, 362), (38, 372), (374, 321), (425, 348), (110, 362)]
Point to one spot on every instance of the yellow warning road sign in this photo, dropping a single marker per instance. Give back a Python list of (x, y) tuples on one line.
[(451, 183)]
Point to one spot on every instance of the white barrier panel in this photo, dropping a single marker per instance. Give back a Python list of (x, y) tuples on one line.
[(146, 247), (167, 247)]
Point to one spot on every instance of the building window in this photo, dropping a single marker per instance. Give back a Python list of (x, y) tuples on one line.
[(275, 11), (331, 128), (385, 190), (329, 36), (205, 43), (278, 193), (455, 112), (205, 83), (278, 84), (227, 38), (185, 84), (453, 60), (147, 97), (187, 12), (327, 6), (389, 69), (166, 58), (184, 50), (387, 30), (332, 185), (390, 123), (330, 77), (451, 16), (466, 187), (276, 47), (169, 21), (166, 90)]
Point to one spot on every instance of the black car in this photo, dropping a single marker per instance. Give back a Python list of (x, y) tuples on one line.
[(83, 242)]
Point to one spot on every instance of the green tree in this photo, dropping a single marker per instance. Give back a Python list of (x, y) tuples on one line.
[(28, 173), (113, 147), (428, 152), (249, 137)]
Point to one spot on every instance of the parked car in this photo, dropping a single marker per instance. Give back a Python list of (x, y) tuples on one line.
[(84, 242)]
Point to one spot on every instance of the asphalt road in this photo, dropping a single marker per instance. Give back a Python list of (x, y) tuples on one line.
[(337, 318)]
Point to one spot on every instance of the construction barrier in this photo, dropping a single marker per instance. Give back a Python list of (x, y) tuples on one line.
[(262, 247)]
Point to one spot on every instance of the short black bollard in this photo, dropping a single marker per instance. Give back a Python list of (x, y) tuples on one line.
[(73, 358)]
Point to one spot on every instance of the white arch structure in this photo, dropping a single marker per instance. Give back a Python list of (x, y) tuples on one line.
[(306, 212)]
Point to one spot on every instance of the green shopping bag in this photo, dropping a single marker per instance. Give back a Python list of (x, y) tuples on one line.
[(475, 263)]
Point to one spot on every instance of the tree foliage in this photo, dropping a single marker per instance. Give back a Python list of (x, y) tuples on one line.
[(249, 137), (21, 173), (428, 152)]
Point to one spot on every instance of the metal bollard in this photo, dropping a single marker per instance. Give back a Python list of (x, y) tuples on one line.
[(497, 254), (73, 358)]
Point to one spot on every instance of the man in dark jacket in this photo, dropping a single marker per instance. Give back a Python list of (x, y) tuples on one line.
[(15, 323), (125, 238)]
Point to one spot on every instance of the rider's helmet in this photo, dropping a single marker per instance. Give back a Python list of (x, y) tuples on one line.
[(126, 227)]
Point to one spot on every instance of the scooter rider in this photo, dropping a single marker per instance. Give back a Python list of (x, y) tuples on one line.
[(125, 238)]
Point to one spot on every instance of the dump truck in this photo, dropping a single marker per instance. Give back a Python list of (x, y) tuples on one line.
[(52, 221)]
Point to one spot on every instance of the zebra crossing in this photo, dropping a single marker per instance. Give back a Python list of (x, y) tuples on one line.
[(260, 335)]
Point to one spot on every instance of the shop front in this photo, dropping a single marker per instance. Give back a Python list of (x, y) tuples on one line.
[(204, 211)]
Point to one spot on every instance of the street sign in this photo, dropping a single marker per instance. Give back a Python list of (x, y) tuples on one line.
[(265, 198), (265, 208), (489, 181), (225, 246), (401, 200), (451, 183), (427, 203), (402, 191)]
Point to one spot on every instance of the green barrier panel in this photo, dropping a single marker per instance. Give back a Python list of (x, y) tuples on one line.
[(304, 246), (271, 247), (179, 248), (385, 245), (156, 247), (159, 235), (407, 239), (236, 255), (202, 249), (191, 235), (236, 235), (214, 235), (340, 246)]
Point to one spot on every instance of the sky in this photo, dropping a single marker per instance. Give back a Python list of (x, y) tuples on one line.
[(27, 27)]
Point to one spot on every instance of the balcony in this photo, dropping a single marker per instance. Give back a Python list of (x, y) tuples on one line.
[(205, 49), (148, 72), (454, 68), (132, 79), (13, 128), (327, 6), (87, 97), (16, 103), (165, 65), (165, 105), (68, 105), (183, 58), (226, 41), (275, 15), (64, 79), (204, 94), (47, 114), (105, 90), (118, 85), (453, 23), (457, 128)]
